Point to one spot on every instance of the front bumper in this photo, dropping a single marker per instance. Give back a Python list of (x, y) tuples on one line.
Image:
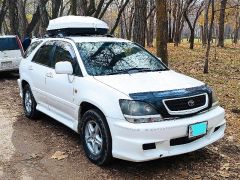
[(128, 138)]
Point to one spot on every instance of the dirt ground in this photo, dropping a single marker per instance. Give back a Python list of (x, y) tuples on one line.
[(26, 146)]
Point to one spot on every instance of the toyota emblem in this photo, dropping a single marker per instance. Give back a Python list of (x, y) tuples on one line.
[(191, 103)]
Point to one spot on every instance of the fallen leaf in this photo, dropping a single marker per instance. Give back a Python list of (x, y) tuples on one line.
[(59, 155), (197, 177)]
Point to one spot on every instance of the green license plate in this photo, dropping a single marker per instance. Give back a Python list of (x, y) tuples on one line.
[(197, 129)]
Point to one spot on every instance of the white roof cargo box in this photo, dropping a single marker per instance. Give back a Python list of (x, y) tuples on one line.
[(77, 25)]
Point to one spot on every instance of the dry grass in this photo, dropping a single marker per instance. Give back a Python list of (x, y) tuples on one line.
[(224, 77)]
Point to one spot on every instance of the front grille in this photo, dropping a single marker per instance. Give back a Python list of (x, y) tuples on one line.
[(186, 105)]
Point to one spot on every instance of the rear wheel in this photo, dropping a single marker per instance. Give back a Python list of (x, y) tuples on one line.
[(96, 137), (29, 103)]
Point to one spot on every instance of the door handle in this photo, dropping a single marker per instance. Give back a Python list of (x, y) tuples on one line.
[(50, 75)]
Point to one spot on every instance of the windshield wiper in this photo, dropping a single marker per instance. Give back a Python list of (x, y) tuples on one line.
[(145, 70), (135, 70), (119, 72)]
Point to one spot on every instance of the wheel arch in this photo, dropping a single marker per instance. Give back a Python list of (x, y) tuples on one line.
[(84, 107), (24, 83)]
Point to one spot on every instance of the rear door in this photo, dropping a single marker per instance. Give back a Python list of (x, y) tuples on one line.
[(10, 52), (38, 68)]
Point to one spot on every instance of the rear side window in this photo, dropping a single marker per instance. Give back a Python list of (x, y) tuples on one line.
[(31, 48), (7, 44), (44, 55)]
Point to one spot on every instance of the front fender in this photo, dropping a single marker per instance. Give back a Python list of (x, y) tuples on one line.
[(103, 97)]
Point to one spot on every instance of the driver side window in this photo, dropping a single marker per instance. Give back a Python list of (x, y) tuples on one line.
[(65, 52)]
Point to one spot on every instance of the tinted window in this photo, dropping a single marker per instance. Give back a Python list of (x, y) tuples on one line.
[(44, 55), (103, 58), (8, 44), (31, 48), (65, 52)]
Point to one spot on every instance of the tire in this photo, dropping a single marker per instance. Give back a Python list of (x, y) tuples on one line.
[(29, 103), (95, 133)]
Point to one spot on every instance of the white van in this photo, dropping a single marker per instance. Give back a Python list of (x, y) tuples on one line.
[(10, 53)]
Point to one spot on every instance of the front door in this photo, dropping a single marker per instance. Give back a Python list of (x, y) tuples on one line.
[(60, 87)]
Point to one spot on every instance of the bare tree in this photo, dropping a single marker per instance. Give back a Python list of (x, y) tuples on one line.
[(150, 27), (209, 35), (35, 18), (162, 30), (140, 17), (119, 16), (190, 25), (105, 9), (128, 17), (178, 21), (221, 23)]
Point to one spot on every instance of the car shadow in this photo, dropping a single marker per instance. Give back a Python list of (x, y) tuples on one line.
[(8, 76), (36, 141)]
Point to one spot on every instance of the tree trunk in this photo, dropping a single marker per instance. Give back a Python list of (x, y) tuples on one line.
[(205, 26), (191, 39), (150, 29), (13, 17), (81, 7), (129, 37), (22, 18), (44, 17), (170, 39), (192, 27), (119, 17), (162, 30), (237, 25), (35, 18), (74, 7), (56, 4), (105, 9), (179, 23), (3, 12), (140, 17), (221, 23), (209, 38)]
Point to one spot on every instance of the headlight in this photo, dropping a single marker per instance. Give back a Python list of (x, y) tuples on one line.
[(215, 101), (139, 112)]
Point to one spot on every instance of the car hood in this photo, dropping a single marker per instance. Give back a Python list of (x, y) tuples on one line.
[(148, 81)]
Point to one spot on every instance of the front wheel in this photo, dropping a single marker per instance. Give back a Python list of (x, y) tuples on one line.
[(29, 103), (96, 137)]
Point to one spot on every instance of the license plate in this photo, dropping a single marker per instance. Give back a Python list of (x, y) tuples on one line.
[(197, 129), (7, 64)]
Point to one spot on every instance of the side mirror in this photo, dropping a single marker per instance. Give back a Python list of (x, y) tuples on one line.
[(64, 67)]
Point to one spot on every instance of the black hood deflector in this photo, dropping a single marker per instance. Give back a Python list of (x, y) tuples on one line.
[(155, 98)]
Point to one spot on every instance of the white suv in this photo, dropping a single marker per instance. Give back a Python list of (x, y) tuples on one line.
[(10, 53), (123, 100)]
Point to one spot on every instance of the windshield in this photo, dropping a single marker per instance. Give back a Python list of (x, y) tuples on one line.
[(8, 44), (106, 58)]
